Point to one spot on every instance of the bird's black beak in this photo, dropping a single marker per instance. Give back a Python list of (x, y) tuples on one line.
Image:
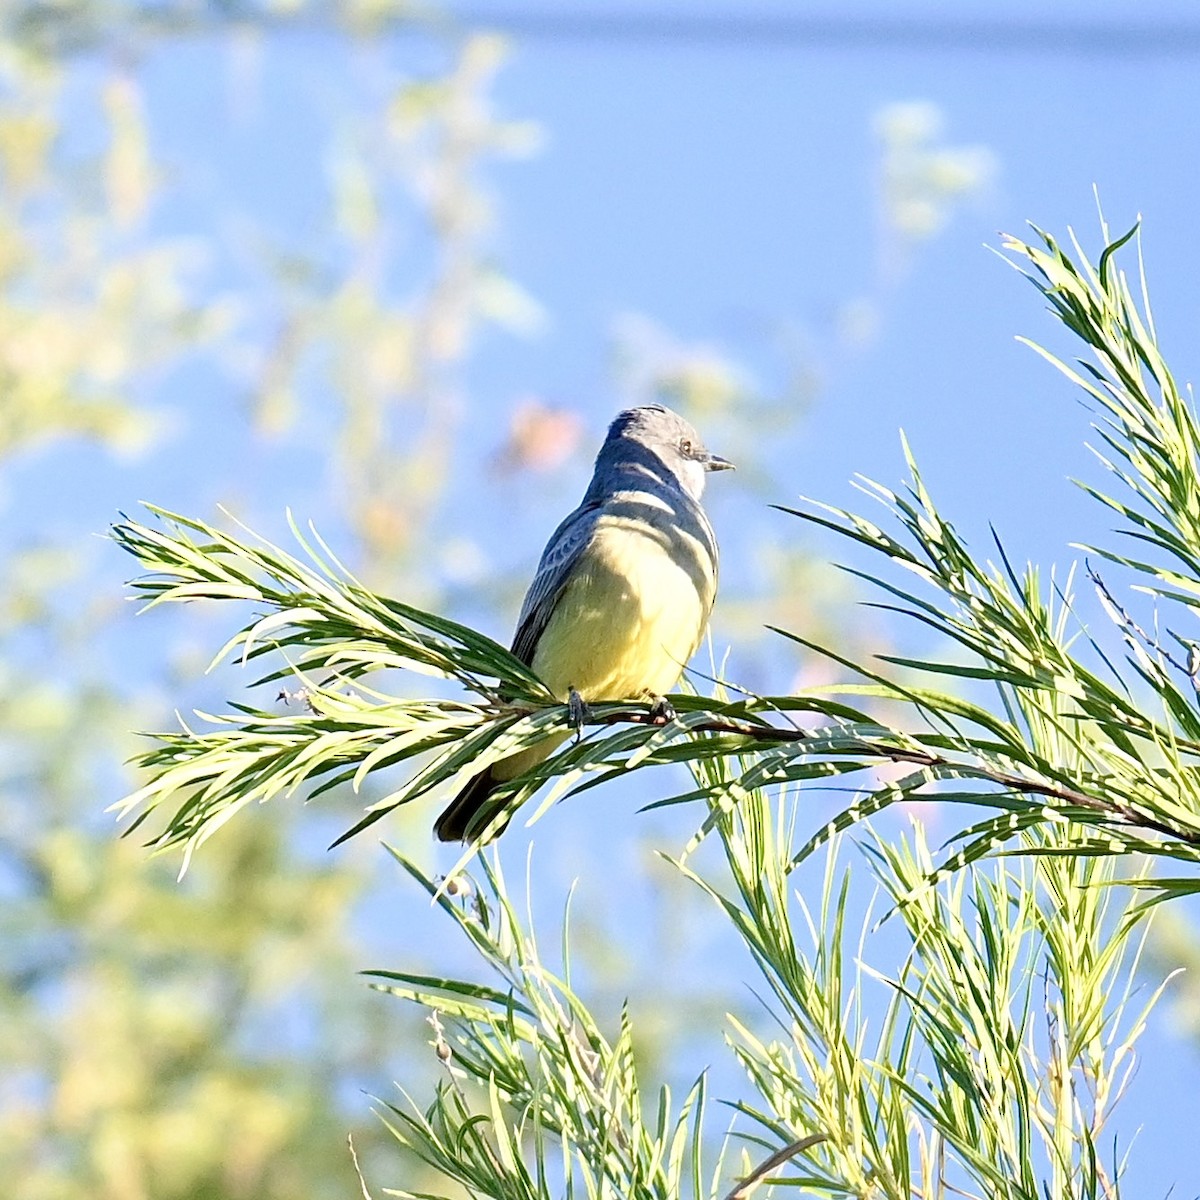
[(714, 462)]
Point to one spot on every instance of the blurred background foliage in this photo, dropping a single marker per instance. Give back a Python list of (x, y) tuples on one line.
[(208, 1038)]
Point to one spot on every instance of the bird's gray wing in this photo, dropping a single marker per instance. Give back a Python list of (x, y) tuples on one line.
[(562, 552)]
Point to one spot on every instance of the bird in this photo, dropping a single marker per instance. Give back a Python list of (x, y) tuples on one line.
[(622, 593)]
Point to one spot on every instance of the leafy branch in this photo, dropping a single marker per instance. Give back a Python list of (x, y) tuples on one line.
[(1121, 761), (987, 1060), (1008, 1022)]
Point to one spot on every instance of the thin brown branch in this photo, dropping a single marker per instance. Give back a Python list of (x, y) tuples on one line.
[(777, 1159), (1118, 810), (1133, 631)]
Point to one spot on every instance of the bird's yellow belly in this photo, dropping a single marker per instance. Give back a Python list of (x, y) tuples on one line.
[(631, 616)]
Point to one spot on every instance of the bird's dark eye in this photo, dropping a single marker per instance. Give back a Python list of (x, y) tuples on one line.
[(685, 448)]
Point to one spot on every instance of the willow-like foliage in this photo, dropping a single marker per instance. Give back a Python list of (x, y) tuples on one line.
[(1008, 1023)]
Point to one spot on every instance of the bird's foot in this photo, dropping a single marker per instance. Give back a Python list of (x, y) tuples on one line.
[(662, 711), (578, 713)]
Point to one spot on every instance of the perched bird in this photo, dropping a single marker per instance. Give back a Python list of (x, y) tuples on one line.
[(622, 593)]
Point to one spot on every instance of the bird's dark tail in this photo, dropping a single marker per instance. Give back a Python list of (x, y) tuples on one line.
[(470, 812)]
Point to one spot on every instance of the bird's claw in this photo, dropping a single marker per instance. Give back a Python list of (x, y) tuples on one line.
[(578, 713), (662, 711)]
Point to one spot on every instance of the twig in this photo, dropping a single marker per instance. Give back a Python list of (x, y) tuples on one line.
[(1133, 628), (1125, 813), (777, 1159)]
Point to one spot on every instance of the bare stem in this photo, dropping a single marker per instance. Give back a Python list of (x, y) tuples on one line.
[(777, 1159), (1124, 813)]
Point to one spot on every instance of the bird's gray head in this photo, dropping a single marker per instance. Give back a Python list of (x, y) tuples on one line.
[(671, 439)]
